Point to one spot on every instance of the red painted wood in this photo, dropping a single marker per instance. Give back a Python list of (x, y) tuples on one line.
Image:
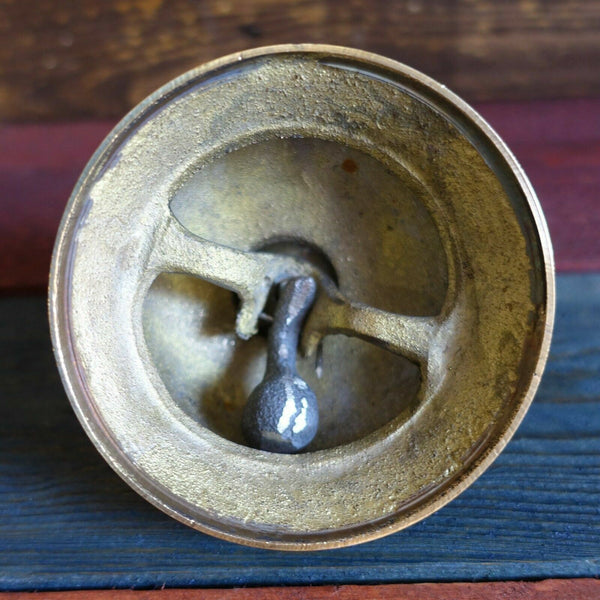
[(558, 145), (555, 589), (39, 165), (557, 142)]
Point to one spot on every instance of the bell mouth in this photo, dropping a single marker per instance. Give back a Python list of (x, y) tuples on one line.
[(431, 228)]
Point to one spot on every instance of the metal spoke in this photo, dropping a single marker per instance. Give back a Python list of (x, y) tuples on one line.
[(252, 274), (249, 274), (408, 336)]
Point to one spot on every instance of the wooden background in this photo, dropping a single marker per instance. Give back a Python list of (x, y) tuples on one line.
[(73, 59), (69, 69)]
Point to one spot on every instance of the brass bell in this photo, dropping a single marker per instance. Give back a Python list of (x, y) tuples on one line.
[(344, 219)]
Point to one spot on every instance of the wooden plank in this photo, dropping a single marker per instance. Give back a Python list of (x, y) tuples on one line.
[(558, 143), (94, 59), (68, 522), (39, 166), (556, 589)]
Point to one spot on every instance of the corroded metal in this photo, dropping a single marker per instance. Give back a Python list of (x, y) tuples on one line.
[(282, 414), (433, 310)]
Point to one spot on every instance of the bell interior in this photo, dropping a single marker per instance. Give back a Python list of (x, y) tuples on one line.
[(365, 226)]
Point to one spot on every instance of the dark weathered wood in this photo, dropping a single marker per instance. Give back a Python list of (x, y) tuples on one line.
[(558, 143), (67, 521), (550, 589), (84, 58)]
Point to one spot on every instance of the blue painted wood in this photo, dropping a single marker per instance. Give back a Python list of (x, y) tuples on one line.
[(67, 521)]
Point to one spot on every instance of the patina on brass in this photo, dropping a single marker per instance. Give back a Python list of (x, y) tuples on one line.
[(434, 306)]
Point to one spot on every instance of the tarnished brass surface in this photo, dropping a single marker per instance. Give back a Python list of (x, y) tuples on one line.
[(435, 294)]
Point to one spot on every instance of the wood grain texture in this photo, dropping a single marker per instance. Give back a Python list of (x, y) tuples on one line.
[(84, 58), (67, 521), (558, 143), (39, 166), (554, 589)]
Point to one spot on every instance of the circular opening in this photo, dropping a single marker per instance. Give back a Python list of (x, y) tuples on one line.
[(365, 227), (384, 258)]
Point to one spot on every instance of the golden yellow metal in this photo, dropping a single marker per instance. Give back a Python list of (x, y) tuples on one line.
[(434, 308)]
